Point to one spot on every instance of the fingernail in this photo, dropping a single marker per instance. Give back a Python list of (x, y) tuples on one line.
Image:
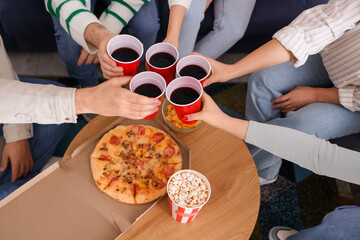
[(157, 102)]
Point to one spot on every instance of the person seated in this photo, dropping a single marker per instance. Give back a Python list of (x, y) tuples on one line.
[(26, 147), (310, 74), (231, 20), (71, 18), (306, 150)]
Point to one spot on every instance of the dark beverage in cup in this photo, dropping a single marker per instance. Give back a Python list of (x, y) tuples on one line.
[(193, 71), (149, 90), (125, 54), (194, 66), (126, 51), (148, 84), (184, 95), (162, 60)]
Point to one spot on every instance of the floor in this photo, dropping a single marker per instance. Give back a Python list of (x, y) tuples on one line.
[(298, 198)]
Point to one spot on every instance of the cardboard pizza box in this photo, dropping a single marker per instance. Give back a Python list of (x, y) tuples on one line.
[(63, 202)]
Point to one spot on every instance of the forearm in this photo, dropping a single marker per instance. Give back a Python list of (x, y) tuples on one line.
[(306, 150), (176, 17), (269, 54), (234, 126), (95, 33), (327, 95)]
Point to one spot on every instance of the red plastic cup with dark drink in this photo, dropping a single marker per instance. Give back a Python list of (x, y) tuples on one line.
[(194, 66), (149, 84), (126, 51), (184, 93), (162, 59)]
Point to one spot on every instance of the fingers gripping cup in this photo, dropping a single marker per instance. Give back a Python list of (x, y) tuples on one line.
[(162, 58), (188, 192), (194, 66), (126, 51), (149, 84), (184, 93)]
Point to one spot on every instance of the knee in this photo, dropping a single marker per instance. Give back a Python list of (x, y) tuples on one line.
[(257, 81), (195, 14)]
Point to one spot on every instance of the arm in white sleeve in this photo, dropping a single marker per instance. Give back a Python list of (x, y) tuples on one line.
[(306, 150), (12, 132), (317, 27), (36, 103), (184, 3), (74, 17)]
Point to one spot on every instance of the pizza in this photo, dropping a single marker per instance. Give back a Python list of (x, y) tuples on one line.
[(133, 163)]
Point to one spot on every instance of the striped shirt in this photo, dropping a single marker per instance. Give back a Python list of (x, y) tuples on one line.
[(75, 15), (333, 30)]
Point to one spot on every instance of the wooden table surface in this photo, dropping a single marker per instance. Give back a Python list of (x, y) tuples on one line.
[(233, 207)]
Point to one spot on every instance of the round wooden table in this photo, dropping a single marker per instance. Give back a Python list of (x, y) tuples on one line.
[(232, 210)]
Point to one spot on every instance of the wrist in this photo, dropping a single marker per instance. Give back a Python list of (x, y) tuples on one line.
[(81, 101)]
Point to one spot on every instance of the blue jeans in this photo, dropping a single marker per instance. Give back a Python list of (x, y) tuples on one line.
[(341, 224), (144, 25), (323, 120), (231, 20), (42, 144)]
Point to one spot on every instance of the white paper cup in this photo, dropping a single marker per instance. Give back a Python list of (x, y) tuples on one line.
[(184, 214)]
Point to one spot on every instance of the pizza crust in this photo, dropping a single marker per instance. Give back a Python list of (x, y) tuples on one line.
[(133, 163)]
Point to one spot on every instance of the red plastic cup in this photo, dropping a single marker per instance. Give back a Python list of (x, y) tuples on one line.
[(185, 109), (184, 214), (194, 60), (148, 77), (126, 41), (168, 73)]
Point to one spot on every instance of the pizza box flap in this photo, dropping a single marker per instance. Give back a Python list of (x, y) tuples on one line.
[(64, 203)]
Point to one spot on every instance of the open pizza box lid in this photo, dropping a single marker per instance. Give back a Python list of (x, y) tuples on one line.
[(63, 201)]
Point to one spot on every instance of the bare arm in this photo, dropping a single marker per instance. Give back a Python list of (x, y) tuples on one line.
[(270, 54), (177, 13)]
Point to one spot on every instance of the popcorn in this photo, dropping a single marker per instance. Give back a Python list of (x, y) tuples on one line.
[(188, 190)]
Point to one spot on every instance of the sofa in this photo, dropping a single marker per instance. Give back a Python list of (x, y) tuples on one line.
[(27, 26)]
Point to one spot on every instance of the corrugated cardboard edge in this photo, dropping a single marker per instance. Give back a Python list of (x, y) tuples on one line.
[(29, 184)]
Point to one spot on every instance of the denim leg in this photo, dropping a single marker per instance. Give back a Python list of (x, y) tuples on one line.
[(69, 51), (144, 25), (42, 144), (340, 224), (271, 83), (231, 20), (190, 27)]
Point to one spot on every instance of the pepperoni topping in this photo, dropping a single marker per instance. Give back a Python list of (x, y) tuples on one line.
[(105, 158), (157, 183), (158, 137), (112, 179), (169, 151), (135, 129), (114, 140), (141, 130), (133, 188), (168, 170)]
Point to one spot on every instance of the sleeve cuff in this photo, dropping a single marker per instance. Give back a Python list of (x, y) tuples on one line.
[(64, 105), (16, 132), (346, 98), (184, 3), (293, 40)]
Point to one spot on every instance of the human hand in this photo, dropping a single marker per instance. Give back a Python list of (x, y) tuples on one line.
[(220, 72), (295, 99), (19, 154), (111, 99), (210, 112), (108, 66), (87, 58)]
